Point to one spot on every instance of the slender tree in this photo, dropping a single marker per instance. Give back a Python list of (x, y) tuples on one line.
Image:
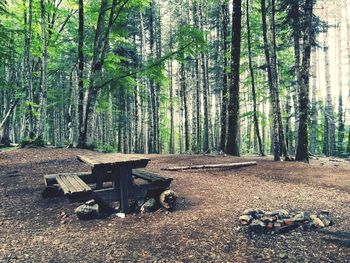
[(255, 116)]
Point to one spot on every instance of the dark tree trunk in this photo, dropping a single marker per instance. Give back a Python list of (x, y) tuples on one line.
[(185, 106), (295, 13), (302, 148), (275, 137), (232, 146), (274, 64), (313, 137)]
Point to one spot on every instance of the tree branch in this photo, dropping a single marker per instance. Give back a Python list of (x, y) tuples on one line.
[(156, 63)]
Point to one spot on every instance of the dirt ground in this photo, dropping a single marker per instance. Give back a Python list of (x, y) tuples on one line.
[(204, 227)]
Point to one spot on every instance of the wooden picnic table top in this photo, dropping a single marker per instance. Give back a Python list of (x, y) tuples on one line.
[(114, 159)]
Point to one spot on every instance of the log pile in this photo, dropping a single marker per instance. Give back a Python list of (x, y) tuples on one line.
[(281, 221)]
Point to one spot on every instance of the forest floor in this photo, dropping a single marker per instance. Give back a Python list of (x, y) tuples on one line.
[(203, 228)]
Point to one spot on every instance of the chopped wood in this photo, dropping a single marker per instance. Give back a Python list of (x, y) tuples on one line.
[(206, 166)]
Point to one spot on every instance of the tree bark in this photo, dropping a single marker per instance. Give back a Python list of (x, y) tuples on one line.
[(302, 148), (81, 130), (274, 69), (341, 128), (255, 116), (225, 21), (275, 137), (232, 146), (313, 140)]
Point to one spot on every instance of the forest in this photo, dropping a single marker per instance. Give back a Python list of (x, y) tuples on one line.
[(188, 76)]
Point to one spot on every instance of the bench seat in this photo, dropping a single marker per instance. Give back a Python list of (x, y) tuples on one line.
[(151, 177), (72, 185)]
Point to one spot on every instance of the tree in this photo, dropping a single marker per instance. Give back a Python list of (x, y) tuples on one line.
[(302, 148), (272, 87), (81, 130), (232, 146), (255, 116)]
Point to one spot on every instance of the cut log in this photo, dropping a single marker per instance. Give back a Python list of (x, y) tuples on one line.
[(168, 199), (338, 160), (206, 166)]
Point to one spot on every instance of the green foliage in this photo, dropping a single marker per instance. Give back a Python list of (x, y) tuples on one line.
[(32, 142), (104, 148), (190, 42)]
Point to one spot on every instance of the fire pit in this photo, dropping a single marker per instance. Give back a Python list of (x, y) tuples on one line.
[(281, 221)]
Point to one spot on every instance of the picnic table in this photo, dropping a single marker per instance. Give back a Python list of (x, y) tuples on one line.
[(120, 167), (124, 174)]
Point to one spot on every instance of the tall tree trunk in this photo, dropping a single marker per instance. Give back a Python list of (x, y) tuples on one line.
[(171, 98), (81, 130), (302, 148), (225, 21), (232, 146), (348, 56), (43, 77), (255, 116), (205, 90), (313, 140), (274, 69), (341, 128), (330, 148), (295, 14), (101, 41), (275, 137), (29, 129)]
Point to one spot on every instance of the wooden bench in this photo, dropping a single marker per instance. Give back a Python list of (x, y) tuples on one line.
[(72, 186), (151, 177)]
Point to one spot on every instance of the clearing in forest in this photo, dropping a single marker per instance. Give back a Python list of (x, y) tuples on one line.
[(204, 227)]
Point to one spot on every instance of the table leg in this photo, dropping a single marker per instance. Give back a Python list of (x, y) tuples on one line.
[(125, 175), (98, 177)]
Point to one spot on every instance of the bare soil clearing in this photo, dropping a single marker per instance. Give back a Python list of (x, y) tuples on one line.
[(204, 226)]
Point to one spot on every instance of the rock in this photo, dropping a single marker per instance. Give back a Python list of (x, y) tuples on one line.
[(267, 219), (289, 221), (248, 211), (257, 225), (90, 202), (255, 213), (50, 191), (86, 212), (308, 226), (270, 225), (168, 199), (282, 213), (148, 206), (278, 223), (317, 221), (120, 215), (325, 219), (300, 217), (137, 204), (245, 219), (324, 212)]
